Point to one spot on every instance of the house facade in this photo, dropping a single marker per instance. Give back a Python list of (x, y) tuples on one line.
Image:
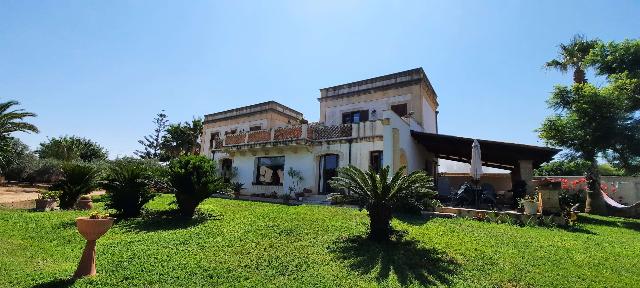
[(371, 123), (364, 123)]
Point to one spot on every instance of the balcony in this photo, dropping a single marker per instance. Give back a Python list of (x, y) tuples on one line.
[(303, 134)]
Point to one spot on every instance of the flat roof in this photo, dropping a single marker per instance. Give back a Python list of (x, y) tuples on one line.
[(252, 109), (503, 155), (389, 81)]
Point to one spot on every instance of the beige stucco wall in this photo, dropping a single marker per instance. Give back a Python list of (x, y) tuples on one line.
[(417, 97), (266, 119)]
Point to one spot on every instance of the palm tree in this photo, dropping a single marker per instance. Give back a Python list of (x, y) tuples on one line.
[(378, 193), (11, 120), (572, 56)]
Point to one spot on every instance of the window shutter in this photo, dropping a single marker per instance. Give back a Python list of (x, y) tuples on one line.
[(364, 115)]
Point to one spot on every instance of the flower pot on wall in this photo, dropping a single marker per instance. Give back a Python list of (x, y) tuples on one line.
[(46, 204)]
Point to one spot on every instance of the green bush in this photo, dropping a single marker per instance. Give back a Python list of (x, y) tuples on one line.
[(44, 171), (129, 186), (77, 179), (193, 179)]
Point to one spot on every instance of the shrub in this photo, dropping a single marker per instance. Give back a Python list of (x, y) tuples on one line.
[(44, 171), (129, 186), (77, 179), (193, 179)]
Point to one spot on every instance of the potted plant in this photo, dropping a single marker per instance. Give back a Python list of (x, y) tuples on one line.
[(530, 204), (286, 198), (237, 188), (91, 228), (84, 203), (48, 200)]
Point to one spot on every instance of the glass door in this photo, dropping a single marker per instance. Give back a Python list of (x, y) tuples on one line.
[(328, 169)]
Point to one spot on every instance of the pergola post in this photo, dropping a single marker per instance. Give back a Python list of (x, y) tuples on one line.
[(525, 171)]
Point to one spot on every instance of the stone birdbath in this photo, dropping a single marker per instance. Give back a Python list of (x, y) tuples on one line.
[(91, 228)]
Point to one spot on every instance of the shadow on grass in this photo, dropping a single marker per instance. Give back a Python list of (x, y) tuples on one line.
[(611, 222), (405, 258), (577, 229), (413, 219), (164, 220), (66, 282)]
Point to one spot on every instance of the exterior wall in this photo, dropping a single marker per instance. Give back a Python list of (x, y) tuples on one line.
[(627, 188), (399, 144), (417, 98), (449, 183), (266, 119)]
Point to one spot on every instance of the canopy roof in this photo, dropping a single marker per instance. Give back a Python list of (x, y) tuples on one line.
[(495, 154)]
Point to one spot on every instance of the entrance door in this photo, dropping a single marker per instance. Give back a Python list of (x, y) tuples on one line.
[(227, 169), (328, 169)]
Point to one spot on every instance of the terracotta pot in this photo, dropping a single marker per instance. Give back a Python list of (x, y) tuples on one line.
[(46, 204), (84, 204), (90, 229)]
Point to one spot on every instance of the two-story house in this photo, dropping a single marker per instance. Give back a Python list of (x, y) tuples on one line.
[(369, 123)]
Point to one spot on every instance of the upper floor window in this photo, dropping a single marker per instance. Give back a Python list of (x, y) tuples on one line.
[(255, 128), (232, 131), (400, 109), (214, 137), (270, 170), (355, 117)]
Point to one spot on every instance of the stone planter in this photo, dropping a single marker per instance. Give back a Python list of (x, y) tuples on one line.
[(84, 204), (530, 207), (91, 230), (46, 204)]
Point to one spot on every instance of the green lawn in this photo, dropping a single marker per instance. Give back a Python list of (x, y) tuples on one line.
[(237, 243)]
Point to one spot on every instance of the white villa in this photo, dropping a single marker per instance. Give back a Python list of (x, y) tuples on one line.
[(387, 120)]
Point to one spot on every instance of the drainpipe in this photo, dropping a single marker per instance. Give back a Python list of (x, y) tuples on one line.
[(350, 142)]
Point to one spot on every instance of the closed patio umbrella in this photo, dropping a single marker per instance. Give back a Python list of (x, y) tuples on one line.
[(476, 161), (476, 167)]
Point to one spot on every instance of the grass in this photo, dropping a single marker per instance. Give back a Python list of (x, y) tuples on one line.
[(239, 243)]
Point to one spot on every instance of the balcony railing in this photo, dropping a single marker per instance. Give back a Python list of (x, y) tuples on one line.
[(308, 132)]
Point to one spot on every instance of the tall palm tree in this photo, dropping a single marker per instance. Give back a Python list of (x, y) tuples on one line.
[(12, 120), (379, 192), (572, 56)]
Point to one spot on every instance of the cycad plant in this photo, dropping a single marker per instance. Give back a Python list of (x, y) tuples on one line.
[(194, 179), (378, 193), (128, 183), (77, 179)]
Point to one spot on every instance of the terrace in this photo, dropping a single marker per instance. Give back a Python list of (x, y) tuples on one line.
[(303, 134)]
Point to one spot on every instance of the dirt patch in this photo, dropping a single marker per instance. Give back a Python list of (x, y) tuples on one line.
[(23, 196)]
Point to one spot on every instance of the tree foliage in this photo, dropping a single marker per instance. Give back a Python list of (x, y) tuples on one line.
[(379, 192), (12, 120), (15, 159), (152, 143), (574, 167), (597, 121), (182, 139), (572, 55), (71, 148)]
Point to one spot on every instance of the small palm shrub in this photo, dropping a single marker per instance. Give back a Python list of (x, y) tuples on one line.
[(129, 184), (379, 193), (194, 179), (77, 179)]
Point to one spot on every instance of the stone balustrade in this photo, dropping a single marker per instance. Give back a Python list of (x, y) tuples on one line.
[(311, 132)]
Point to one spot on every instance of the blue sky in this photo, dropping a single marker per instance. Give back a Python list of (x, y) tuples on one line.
[(103, 69)]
